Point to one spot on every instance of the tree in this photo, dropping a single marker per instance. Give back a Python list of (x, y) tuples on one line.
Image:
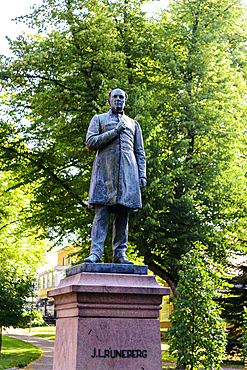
[(196, 170), (185, 75), (58, 81), (233, 304), (20, 254), (243, 338), (197, 336), (33, 318), (18, 246), (14, 289)]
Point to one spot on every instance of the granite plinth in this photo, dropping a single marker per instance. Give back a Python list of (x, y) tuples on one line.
[(110, 268), (108, 322), (107, 344)]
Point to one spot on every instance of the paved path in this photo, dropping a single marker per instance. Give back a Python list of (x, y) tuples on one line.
[(46, 360)]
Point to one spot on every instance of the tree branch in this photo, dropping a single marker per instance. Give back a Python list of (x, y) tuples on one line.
[(162, 274), (50, 173), (77, 45), (219, 14), (6, 225), (56, 82)]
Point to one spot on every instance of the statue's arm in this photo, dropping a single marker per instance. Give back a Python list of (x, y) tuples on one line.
[(140, 155), (95, 139)]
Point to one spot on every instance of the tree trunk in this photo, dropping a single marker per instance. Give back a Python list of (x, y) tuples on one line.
[(161, 273), (1, 337)]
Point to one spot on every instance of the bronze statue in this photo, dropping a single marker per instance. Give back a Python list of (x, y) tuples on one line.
[(119, 171)]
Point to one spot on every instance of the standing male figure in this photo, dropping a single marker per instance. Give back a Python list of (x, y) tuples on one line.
[(119, 171)]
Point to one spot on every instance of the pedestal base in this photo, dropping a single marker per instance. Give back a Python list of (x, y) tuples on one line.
[(108, 322), (107, 343)]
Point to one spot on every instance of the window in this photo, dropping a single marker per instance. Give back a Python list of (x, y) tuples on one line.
[(64, 261), (53, 279), (49, 280), (45, 281)]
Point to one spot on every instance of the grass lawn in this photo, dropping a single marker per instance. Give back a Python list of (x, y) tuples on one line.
[(16, 353), (47, 332), (166, 357)]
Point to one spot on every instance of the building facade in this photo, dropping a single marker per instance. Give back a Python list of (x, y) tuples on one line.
[(50, 279)]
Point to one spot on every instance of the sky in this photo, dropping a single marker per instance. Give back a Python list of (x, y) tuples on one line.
[(14, 8)]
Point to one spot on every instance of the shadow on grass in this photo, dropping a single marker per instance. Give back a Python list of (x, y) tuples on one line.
[(17, 353)]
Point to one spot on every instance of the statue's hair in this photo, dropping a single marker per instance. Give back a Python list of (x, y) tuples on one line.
[(109, 94)]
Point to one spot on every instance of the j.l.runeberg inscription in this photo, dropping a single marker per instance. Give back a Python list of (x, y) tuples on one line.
[(108, 321), (121, 353)]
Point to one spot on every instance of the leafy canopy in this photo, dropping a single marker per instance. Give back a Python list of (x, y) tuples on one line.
[(184, 72)]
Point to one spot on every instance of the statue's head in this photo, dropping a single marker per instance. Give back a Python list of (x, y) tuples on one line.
[(117, 99)]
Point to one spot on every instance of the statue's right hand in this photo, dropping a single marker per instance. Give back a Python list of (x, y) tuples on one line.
[(120, 126)]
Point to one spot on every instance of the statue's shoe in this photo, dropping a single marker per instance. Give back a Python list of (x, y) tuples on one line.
[(92, 259), (121, 259)]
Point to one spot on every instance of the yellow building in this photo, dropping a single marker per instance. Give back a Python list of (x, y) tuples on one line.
[(50, 279), (165, 313)]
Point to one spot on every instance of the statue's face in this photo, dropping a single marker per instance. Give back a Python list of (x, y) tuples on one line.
[(117, 100)]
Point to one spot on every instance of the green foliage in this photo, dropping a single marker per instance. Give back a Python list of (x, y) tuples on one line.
[(58, 81), (233, 304), (184, 72), (14, 289), (20, 253), (243, 338), (197, 336), (196, 143), (19, 246), (36, 319)]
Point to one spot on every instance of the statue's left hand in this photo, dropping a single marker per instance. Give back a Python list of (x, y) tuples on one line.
[(143, 182)]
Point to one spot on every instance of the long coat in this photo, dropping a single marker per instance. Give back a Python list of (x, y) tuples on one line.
[(119, 163)]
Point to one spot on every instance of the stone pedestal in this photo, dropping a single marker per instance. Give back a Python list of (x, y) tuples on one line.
[(107, 320)]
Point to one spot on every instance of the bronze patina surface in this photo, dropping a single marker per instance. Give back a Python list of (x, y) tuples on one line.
[(119, 173)]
